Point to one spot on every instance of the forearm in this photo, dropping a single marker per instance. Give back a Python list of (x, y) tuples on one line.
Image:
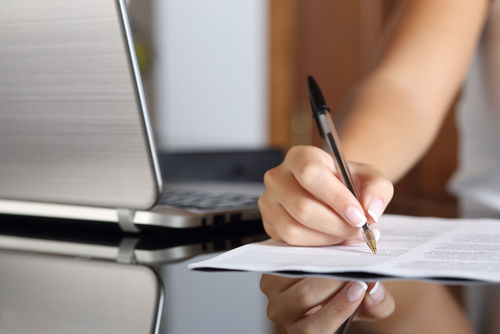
[(383, 125), (395, 113)]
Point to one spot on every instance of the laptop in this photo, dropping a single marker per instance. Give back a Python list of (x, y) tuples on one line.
[(155, 246), (46, 294), (83, 266), (75, 135)]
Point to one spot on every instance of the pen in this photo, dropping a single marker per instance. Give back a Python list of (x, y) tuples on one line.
[(323, 118), (321, 114)]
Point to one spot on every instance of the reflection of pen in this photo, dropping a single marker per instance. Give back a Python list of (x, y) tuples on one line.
[(321, 114)]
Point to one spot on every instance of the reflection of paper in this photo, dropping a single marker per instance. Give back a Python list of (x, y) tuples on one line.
[(409, 247)]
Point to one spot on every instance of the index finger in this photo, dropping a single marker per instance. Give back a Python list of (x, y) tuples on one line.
[(334, 313), (315, 173), (272, 284)]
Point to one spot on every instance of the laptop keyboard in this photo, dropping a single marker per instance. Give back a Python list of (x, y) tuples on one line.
[(206, 201)]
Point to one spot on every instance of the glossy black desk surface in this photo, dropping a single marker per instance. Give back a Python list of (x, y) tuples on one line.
[(60, 276)]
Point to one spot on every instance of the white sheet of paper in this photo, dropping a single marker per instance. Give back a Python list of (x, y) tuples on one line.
[(409, 247)]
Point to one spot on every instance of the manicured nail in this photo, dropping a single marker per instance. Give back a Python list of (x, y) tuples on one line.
[(355, 216), (356, 291), (377, 236), (377, 293), (376, 208)]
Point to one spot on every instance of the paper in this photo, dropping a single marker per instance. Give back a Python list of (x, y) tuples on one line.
[(409, 247)]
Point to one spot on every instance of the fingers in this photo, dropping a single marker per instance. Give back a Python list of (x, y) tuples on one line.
[(378, 303), (282, 227), (302, 298), (335, 312), (272, 285), (322, 304), (376, 190), (314, 172), (305, 203), (309, 211)]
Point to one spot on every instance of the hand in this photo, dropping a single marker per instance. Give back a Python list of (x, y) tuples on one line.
[(321, 305), (305, 204)]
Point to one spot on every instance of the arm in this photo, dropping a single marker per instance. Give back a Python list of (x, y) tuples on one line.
[(405, 96), (422, 63), (389, 120)]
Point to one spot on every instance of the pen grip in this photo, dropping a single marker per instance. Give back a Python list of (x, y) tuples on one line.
[(344, 172), (338, 155)]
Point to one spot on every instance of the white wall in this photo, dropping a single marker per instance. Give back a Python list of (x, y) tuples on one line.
[(211, 74), (210, 92)]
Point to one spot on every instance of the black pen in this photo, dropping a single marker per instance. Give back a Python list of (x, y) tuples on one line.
[(321, 114)]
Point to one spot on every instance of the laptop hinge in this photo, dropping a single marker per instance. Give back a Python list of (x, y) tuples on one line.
[(126, 220), (126, 250)]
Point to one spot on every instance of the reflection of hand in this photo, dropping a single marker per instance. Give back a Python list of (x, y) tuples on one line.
[(321, 305), (306, 204)]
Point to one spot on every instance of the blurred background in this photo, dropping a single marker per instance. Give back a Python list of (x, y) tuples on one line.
[(227, 75), (231, 75)]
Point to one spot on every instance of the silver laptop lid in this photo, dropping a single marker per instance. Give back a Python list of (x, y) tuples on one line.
[(74, 124), (46, 294)]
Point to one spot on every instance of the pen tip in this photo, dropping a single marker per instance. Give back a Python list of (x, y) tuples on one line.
[(373, 245)]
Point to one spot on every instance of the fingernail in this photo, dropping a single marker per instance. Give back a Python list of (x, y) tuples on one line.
[(377, 236), (355, 216), (376, 208), (356, 291), (377, 293)]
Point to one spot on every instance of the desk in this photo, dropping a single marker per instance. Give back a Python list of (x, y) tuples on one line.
[(80, 277)]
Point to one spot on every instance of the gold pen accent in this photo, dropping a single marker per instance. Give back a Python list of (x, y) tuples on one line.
[(369, 237)]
